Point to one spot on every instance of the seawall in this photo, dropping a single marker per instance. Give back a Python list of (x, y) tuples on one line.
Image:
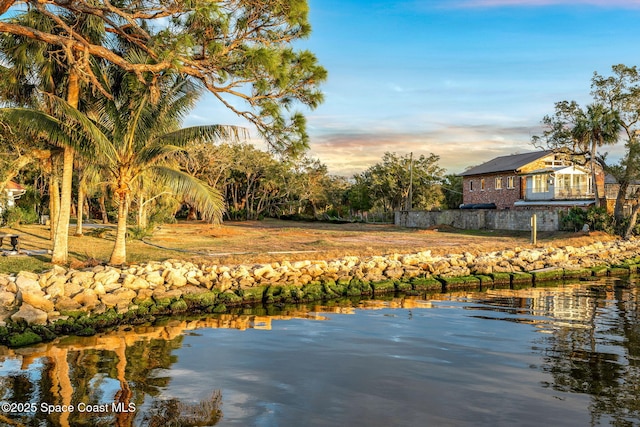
[(67, 301)]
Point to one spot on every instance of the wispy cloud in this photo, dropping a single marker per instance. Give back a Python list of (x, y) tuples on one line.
[(458, 146), (634, 4)]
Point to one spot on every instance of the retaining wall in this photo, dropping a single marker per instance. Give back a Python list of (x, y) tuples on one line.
[(477, 219)]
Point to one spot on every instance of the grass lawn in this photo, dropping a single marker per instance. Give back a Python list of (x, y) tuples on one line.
[(270, 240)]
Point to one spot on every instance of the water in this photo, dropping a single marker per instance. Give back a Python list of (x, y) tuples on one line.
[(562, 356)]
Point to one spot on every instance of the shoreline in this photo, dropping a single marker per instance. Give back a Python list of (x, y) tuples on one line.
[(40, 307)]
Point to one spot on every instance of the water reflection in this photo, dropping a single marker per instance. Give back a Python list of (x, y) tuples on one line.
[(586, 342)]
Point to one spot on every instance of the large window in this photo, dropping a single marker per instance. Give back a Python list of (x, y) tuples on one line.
[(540, 183)]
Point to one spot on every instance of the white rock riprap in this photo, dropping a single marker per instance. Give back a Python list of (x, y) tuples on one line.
[(46, 297)]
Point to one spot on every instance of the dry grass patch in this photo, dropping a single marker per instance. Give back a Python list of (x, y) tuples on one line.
[(268, 241)]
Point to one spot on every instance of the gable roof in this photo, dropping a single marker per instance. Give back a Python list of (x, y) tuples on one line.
[(14, 186), (509, 163)]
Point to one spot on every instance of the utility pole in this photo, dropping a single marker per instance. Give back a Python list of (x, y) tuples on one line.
[(409, 204)]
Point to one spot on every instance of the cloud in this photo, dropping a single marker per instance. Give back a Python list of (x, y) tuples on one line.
[(458, 146)]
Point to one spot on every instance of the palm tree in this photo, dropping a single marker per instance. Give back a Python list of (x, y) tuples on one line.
[(137, 138), (596, 127), (37, 68)]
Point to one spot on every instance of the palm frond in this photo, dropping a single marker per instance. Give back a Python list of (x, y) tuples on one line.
[(35, 124), (153, 154), (207, 200), (208, 133), (91, 139)]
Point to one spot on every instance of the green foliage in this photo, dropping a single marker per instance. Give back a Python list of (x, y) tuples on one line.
[(139, 233), (388, 182), (573, 220), (16, 215), (597, 218), (452, 190)]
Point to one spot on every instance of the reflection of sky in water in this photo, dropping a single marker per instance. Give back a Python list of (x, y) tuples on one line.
[(382, 366), (501, 357)]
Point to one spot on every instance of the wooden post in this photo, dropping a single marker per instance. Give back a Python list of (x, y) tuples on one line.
[(534, 229)]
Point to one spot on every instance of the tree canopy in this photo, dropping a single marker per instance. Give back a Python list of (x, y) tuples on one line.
[(239, 50)]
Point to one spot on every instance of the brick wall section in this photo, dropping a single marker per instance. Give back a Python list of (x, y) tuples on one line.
[(503, 198)]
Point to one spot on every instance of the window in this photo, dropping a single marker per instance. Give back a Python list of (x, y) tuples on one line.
[(470, 185), (540, 183), (498, 183), (482, 184), (510, 182)]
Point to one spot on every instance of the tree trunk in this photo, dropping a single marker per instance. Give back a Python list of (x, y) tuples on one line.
[(119, 254), (593, 173), (103, 210), (80, 209), (618, 212), (632, 220), (192, 215), (142, 213), (54, 204), (61, 238)]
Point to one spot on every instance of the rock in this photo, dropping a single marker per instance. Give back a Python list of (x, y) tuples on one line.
[(88, 299), (99, 289), (137, 284), (28, 285), (66, 304), (7, 299), (107, 277), (82, 278), (175, 279), (71, 289), (31, 315), (39, 302), (120, 297), (143, 295), (394, 273), (56, 289), (154, 279)]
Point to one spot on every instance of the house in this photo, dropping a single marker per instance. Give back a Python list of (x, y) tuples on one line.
[(612, 187), (537, 179), (12, 192)]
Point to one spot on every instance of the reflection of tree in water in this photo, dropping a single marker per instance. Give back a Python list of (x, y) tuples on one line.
[(602, 360), (173, 412), (70, 375)]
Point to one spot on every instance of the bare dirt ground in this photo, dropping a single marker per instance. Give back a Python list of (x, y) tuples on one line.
[(251, 242), (272, 240)]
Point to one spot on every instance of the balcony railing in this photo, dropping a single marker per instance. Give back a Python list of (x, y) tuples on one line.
[(571, 193), (579, 192)]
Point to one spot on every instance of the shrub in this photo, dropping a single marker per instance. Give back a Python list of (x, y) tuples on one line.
[(597, 218), (573, 220), (17, 215)]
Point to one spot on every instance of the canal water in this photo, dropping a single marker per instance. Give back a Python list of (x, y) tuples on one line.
[(567, 355)]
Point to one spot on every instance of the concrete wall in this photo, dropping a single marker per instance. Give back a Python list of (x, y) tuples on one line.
[(476, 219)]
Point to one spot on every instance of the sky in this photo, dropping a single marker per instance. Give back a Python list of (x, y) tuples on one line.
[(467, 80)]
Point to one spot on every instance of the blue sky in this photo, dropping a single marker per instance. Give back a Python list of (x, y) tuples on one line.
[(467, 80)]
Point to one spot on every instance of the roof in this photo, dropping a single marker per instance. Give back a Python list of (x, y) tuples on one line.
[(506, 163), (610, 179), (14, 186)]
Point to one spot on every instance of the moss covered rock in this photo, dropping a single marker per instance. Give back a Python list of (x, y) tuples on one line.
[(386, 286)]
